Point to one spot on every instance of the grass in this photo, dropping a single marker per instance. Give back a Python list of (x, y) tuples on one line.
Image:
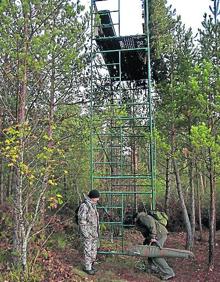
[(16, 275), (58, 241)]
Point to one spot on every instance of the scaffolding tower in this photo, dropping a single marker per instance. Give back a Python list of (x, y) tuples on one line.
[(122, 165)]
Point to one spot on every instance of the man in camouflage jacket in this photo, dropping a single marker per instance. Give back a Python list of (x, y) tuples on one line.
[(88, 219), (154, 233)]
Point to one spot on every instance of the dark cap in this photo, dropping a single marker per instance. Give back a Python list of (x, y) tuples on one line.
[(94, 194)]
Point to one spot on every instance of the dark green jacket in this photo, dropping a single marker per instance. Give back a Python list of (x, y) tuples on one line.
[(150, 227)]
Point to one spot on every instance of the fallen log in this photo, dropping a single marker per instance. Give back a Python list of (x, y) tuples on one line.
[(156, 252)]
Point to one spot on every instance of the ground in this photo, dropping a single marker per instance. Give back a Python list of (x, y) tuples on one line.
[(59, 260), (66, 265)]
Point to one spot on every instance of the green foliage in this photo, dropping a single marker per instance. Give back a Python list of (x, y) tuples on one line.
[(12, 150), (58, 240), (201, 136), (205, 143), (43, 44), (6, 226), (162, 143), (42, 58), (161, 23), (5, 256), (73, 131), (55, 201), (16, 275)]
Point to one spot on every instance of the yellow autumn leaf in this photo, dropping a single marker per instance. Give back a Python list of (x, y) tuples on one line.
[(51, 182)]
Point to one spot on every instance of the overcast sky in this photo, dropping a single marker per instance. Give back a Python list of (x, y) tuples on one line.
[(191, 12)]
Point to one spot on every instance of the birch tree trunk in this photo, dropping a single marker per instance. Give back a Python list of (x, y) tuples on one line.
[(20, 243)]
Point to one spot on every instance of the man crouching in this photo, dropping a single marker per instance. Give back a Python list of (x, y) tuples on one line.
[(156, 234)]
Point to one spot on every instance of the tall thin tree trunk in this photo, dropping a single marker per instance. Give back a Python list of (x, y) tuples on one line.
[(167, 192), (1, 182), (212, 220), (65, 184), (202, 182), (189, 239), (1, 161), (192, 200), (9, 191), (199, 205), (134, 171), (50, 142), (19, 231), (191, 183)]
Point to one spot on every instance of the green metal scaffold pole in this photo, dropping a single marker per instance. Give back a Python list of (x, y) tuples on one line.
[(121, 123)]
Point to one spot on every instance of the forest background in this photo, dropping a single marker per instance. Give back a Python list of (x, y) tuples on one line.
[(45, 122)]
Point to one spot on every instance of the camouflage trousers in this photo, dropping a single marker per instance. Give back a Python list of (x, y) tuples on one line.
[(161, 263), (90, 251)]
